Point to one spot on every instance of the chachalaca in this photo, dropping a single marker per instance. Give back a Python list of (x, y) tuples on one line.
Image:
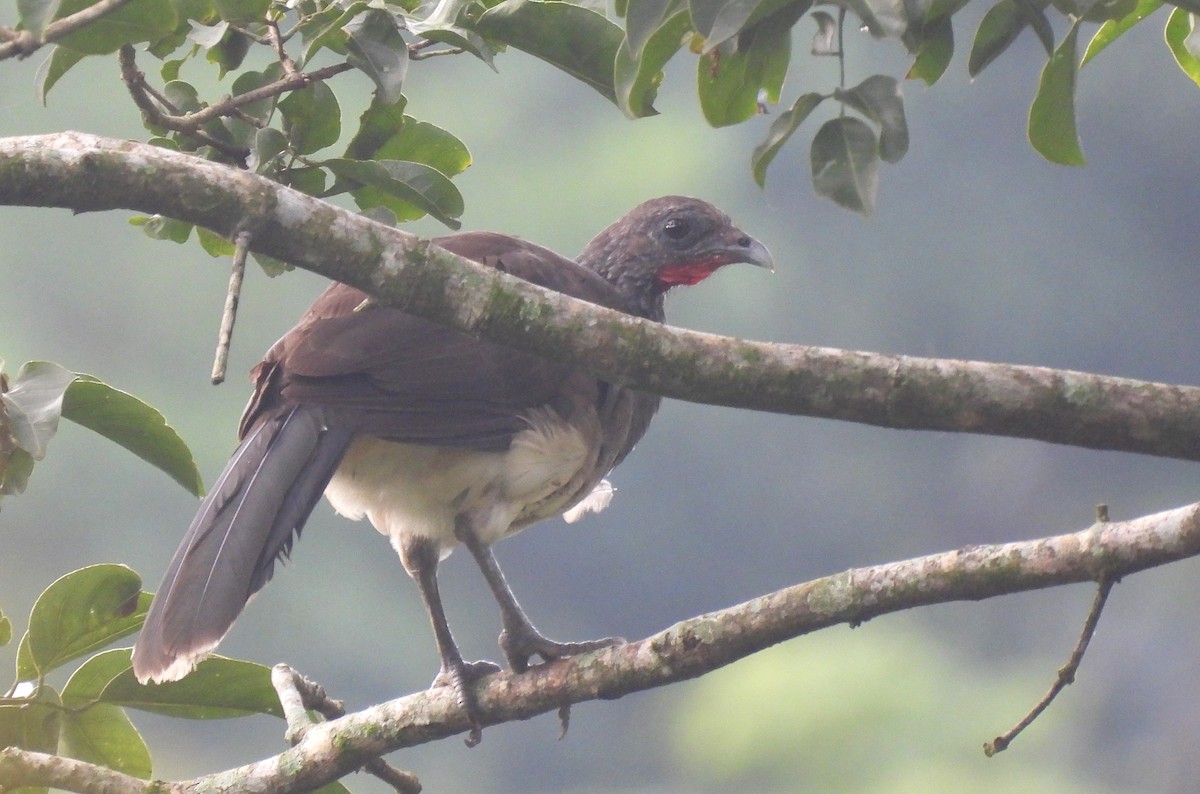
[(438, 437)]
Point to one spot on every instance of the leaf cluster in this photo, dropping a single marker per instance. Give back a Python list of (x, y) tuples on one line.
[(282, 118), (42, 393), (80, 614)]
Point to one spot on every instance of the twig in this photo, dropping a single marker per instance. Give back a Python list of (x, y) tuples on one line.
[(190, 123), (276, 40), (23, 43), (229, 316), (145, 96), (419, 50), (1066, 673), (298, 695)]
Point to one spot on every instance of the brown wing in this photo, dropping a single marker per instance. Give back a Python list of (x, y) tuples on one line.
[(381, 371)]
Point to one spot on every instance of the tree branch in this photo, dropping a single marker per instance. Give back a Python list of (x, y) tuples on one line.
[(327, 751), (24, 43), (85, 173)]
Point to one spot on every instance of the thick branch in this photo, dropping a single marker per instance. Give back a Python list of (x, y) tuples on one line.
[(84, 173), (329, 750)]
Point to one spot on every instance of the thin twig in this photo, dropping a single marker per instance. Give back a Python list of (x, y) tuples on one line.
[(24, 43), (289, 66), (299, 695), (419, 50), (144, 96), (237, 272), (1066, 673)]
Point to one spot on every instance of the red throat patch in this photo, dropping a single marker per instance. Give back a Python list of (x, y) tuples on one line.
[(689, 273)]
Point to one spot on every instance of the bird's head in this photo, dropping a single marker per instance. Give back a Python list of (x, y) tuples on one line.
[(669, 242)]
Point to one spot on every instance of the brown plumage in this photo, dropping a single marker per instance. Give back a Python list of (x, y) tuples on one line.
[(437, 437)]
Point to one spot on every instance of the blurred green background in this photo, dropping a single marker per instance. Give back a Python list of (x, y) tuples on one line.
[(979, 250)]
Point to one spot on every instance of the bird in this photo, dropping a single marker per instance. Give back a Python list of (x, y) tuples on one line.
[(438, 437)]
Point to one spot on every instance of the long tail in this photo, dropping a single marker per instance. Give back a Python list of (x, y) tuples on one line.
[(248, 520)]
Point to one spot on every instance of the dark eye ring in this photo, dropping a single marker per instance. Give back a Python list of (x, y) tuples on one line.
[(676, 228)]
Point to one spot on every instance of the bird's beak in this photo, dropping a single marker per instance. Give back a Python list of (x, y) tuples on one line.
[(744, 248)]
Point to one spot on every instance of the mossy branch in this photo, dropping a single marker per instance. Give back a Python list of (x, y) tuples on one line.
[(87, 173), (326, 751)]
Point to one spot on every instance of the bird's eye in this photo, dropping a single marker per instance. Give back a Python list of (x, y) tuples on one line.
[(676, 228)]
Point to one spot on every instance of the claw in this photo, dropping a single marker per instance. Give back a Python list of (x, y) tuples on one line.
[(521, 643), (462, 678)]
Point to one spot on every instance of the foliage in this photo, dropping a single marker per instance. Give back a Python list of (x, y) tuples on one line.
[(42, 393), (83, 612), (282, 116)]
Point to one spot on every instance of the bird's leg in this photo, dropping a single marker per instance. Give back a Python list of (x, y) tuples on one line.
[(519, 640), (420, 558)]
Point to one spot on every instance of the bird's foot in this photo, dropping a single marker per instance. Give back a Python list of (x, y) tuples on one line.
[(520, 644), (462, 677)]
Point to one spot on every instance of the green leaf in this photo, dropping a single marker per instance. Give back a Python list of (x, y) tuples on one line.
[(447, 22), (87, 683), (637, 79), (246, 132), (878, 98), (781, 130), (729, 84), (324, 30), (218, 688), (158, 227), (207, 36), (33, 404), (845, 164), (229, 52), (101, 733), (1052, 116), (34, 15), (124, 419), (182, 95), (79, 613), (575, 39), (377, 49), (33, 724), (5, 630), (386, 133), (140, 20), (1113, 29), (408, 189), (935, 51), (642, 19), (15, 467), (720, 20), (242, 11), (313, 119), (214, 245), (999, 28), (270, 266), (306, 179), (1035, 16), (1106, 10), (1177, 33), (53, 68), (269, 143)]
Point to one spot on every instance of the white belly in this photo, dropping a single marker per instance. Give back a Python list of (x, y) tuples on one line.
[(411, 490)]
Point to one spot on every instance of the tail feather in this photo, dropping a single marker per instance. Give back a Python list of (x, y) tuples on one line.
[(248, 520)]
